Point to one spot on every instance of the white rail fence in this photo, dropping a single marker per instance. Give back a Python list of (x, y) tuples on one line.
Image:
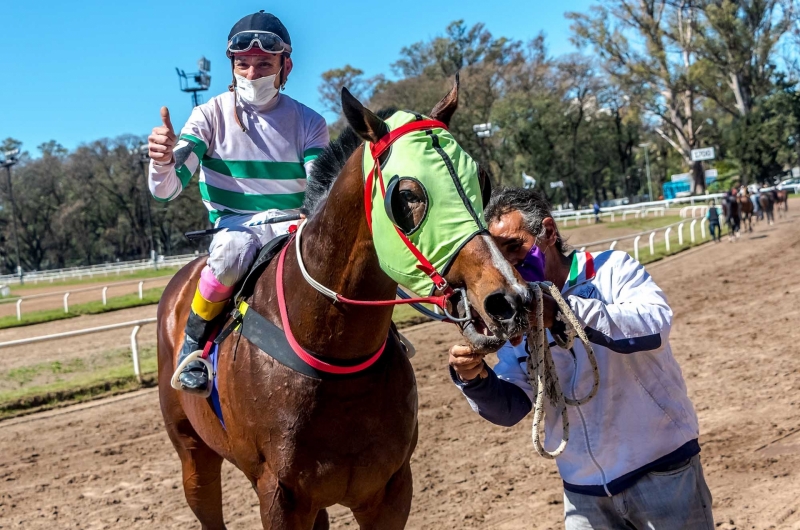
[(135, 326), (92, 271), (651, 234), (591, 218), (103, 290), (667, 203)]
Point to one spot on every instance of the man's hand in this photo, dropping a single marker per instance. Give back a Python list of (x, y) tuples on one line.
[(466, 363), (161, 141)]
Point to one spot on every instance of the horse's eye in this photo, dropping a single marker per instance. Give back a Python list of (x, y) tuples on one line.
[(406, 203)]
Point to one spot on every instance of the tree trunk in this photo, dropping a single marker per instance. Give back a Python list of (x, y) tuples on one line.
[(699, 178)]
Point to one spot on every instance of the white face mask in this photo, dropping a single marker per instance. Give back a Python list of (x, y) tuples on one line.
[(258, 92)]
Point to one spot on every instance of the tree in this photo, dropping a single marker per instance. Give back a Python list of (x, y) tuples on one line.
[(649, 48)]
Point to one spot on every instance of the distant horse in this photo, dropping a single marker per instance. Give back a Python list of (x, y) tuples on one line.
[(304, 442), (782, 202), (730, 209), (767, 204), (745, 209)]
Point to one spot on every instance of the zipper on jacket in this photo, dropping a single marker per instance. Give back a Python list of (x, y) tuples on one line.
[(583, 422)]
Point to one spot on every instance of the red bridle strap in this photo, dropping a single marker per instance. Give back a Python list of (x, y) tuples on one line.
[(377, 149), (309, 359)]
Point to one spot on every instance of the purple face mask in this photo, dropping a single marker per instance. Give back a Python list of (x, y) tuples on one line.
[(532, 267)]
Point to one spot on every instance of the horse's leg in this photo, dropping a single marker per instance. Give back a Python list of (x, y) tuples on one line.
[(390, 510), (202, 477), (280, 509)]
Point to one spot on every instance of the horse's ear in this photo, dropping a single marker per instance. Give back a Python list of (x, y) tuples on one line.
[(366, 124), (444, 110)]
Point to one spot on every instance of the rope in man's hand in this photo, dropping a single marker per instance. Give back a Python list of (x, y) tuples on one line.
[(542, 373)]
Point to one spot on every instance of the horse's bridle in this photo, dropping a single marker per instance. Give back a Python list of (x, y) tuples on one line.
[(377, 149)]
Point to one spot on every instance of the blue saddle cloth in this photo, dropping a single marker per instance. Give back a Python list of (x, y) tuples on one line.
[(213, 358)]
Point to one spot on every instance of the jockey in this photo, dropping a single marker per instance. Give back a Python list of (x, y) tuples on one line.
[(254, 147), (632, 458)]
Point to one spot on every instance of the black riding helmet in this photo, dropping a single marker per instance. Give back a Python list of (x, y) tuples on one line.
[(267, 32), (260, 22)]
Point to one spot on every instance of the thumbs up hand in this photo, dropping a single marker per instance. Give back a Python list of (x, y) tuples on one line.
[(161, 141)]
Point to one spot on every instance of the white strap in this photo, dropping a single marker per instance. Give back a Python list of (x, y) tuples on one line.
[(311, 281)]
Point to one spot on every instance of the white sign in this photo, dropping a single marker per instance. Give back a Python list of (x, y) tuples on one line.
[(712, 173), (706, 153), (796, 172), (557, 184), (681, 177)]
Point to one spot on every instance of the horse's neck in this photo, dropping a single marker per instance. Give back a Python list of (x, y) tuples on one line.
[(338, 252)]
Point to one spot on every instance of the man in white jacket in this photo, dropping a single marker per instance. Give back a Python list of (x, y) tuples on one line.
[(632, 460)]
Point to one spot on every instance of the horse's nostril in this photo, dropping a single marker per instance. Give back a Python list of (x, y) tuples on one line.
[(500, 306)]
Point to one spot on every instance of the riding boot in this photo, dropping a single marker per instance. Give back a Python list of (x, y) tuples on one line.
[(194, 377)]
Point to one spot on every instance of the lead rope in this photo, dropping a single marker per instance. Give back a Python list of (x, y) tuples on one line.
[(542, 370)]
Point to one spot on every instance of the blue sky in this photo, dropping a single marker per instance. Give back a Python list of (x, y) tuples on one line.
[(80, 70)]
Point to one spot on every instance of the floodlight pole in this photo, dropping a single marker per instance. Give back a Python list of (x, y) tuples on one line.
[(7, 163)]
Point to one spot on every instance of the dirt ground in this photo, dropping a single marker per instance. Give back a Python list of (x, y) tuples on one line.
[(109, 464)]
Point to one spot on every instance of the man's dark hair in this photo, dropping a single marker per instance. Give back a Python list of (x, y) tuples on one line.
[(531, 204)]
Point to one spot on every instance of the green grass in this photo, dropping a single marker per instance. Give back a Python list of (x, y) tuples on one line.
[(98, 278), (150, 296), (636, 225)]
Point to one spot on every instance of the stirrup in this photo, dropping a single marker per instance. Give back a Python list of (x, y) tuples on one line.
[(196, 355)]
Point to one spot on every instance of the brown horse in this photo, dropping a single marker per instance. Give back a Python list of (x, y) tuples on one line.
[(746, 210), (767, 204), (306, 443), (782, 202)]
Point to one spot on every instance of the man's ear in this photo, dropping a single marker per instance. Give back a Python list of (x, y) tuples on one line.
[(551, 231)]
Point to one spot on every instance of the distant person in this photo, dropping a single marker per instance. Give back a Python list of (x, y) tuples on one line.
[(254, 147), (713, 221), (632, 460), (730, 207), (596, 212)]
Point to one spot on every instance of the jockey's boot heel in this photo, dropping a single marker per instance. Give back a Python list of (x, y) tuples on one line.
[(193, 376)]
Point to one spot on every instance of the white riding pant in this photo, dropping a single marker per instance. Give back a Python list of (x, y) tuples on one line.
[(234, 249)]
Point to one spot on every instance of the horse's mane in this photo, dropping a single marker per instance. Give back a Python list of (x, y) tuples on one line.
[(330, 163)]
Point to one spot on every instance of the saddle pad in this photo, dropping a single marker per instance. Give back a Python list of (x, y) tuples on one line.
[(213, 358)]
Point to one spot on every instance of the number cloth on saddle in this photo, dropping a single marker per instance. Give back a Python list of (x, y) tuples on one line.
[(454, 214)]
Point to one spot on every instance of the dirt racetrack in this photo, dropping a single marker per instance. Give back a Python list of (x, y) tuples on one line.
[(110, 465)]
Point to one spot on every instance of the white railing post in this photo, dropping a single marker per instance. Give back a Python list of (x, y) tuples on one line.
[(636, 248), (703, 228), (680, 234), (582, 249), (19, 309), (135, 353), (666, 237), (652, 246), (691, 229), (612, 217), (624, 215), (105, 300), (613, 245), (66, 302), (141, 294)]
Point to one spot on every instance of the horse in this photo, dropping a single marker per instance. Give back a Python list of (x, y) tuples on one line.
[(782, 202), (746, 209), (307, 443), (730, 208), (767, 204)]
